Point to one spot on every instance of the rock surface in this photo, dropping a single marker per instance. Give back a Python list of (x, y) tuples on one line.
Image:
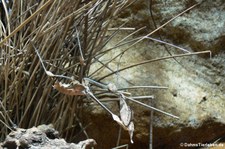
[(41, 137), (196, 84)]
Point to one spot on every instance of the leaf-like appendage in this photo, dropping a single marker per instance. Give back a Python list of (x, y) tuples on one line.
[(77, 89), (112, 87), (126, 115), (118, 120), (131, 131), (125, 112), (50, 74)]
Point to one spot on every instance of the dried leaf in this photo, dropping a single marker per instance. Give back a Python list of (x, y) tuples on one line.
[(77, 89)]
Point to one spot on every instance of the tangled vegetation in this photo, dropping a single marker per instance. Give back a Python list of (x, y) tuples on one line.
[(47, 49)]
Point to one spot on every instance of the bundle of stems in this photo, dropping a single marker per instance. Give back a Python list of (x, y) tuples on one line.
[(67, 34)]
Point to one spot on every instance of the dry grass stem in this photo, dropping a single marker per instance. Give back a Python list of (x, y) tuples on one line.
[(44, 42)]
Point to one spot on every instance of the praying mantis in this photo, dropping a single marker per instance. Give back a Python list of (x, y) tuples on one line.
[(76, 88)]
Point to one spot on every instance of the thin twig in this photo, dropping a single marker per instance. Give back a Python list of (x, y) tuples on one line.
[(6, 125), (111, 71), (149, 34), (166, 43), (152, 108), (154, 23), (80, 124), (141, 87), (121, 146), (46, 71), (103, 86), (122, 41), (96, 100), (122, 29), (26, 21), (6, 113), (79, 45), (119, 136), (143, 97), (151, 130), (154, 60)]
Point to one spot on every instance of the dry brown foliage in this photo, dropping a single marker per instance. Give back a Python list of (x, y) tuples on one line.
[(67, 34)]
